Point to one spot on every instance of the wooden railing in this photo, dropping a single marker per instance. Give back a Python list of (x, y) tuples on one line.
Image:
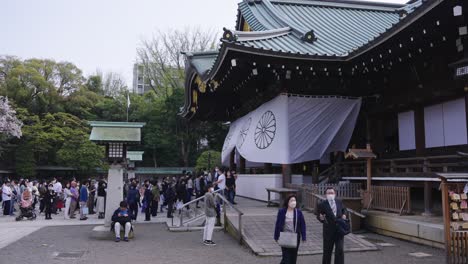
[(459, 248), (306, 193), (391, 199), (416, 167)]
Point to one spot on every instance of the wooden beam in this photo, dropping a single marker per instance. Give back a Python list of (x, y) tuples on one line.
[(286, 174), (420, 135), (241, 165), (267, 167)]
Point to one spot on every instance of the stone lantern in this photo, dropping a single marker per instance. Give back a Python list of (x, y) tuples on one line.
[(116, 136)]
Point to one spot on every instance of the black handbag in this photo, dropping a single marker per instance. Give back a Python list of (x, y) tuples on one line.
[(343, 227)]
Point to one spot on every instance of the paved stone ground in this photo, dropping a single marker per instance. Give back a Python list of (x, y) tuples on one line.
[(155, 244), (258, 231), (259, 224), (12, 230)]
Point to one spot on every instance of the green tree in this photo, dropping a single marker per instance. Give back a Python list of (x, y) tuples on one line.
[(163, 63), (208, 159), (82, 154)]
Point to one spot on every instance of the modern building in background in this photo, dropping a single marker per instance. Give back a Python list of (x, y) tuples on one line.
[(141, 84)]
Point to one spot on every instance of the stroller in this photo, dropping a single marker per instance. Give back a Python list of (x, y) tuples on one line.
[(26, 207)]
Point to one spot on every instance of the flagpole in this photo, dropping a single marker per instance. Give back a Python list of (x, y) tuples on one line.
[(128, 103)]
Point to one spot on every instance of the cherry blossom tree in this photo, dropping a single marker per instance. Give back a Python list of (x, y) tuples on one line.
[(10, 125)]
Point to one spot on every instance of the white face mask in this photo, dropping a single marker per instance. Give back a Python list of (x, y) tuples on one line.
[(211, 190), (330, 197), (292, 204)]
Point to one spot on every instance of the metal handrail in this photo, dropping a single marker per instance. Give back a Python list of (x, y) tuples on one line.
[(181, 216), (220, 196), (239, 212), (229, 203)]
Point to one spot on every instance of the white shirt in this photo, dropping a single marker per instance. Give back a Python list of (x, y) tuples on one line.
[(57, 187), (5, 192), (222, 182), (333, 204), (190, 184)]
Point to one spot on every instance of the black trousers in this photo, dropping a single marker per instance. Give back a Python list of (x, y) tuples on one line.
[(170, 208), (148, 212), (134, 210), (6, 207), (332, 239), (48, 210), (154, 208), (290, 254), (41, 205)]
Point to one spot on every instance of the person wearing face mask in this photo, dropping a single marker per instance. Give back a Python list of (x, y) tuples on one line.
[(49, 199), (328, 212), (210, 213), (290, 220)]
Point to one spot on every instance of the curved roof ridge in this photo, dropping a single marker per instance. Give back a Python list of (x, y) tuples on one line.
[(279, 16), (354, 4), (260, 35)]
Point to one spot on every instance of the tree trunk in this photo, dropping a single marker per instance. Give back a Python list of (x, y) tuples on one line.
[(154, 158)]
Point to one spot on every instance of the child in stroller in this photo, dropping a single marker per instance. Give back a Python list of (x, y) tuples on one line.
[(26, 206)]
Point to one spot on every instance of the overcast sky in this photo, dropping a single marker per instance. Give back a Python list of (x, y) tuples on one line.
[(102, 34)]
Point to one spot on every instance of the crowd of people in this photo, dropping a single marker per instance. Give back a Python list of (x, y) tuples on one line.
[(87, 197), (172, 193), (150, 197)]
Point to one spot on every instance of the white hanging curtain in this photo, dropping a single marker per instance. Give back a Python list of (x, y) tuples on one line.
[(293, 129)]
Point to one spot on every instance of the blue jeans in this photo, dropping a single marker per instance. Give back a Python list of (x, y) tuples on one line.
[(12, 206)]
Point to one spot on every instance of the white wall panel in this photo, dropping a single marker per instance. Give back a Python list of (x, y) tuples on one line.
[(455, 122), (434, 126), (406, 131)]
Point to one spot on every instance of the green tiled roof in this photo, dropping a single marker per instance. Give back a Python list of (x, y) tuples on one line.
[(115, 131), (135, 155), (202, 61), (340, 28), (162, 170)]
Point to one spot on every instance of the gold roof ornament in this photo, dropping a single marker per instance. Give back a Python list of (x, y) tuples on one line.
[(201, 85)]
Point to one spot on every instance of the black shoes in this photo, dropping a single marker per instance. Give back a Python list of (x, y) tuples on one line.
[(209, 243)]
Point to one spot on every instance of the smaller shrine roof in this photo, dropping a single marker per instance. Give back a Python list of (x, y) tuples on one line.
[(115, 131), (135, 155)]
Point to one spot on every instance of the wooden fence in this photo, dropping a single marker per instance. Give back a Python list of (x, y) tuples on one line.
[(309, 201), (391, 198), (405, 167), (459, 247)]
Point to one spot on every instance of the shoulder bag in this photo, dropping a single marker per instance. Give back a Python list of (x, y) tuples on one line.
[(289, 239)]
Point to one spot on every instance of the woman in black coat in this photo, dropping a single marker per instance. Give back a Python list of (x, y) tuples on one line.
[(290, 219)]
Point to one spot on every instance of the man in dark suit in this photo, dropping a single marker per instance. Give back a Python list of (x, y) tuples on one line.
[(328, 212)]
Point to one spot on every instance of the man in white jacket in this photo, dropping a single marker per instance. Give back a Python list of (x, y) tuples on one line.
[(7, 194)]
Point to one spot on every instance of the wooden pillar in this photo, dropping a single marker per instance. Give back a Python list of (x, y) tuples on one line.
[(368, 130), (420, 136), (241, 165), (267, 167), (315, 171), (369, 170), (428, 199), (466, 106), (446, 217), (286, 174), (232, 162)]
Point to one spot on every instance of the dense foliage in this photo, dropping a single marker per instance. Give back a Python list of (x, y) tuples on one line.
[(208, 159), (54, 101)]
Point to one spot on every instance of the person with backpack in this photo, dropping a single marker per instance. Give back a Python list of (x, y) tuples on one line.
[(147, 201), (170, 197), (133, 198), (156, 196)]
